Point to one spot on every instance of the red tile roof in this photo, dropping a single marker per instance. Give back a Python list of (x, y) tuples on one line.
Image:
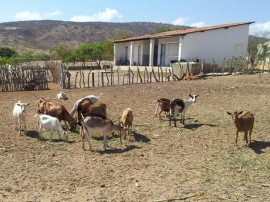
[(182, 31)]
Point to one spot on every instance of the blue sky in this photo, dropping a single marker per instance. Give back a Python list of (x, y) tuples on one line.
[(182, 12)]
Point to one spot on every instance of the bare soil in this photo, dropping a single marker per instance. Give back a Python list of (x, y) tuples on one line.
[(195, 162)]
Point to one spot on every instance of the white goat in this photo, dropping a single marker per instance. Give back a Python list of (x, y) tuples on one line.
[(51, 123), (180, 106), (61, 95), (93, 99), (19, 114), (92, 125)]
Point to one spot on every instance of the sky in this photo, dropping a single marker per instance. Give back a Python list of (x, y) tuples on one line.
[(195, 13)]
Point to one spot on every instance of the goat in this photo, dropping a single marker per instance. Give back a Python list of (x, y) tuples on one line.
[(56, 110), (83, 104), (180, 106), (244, 124), (127, 120), (92, 125), (51, 123), (19, 114), (61, 95), (164, 105), (98, 109)]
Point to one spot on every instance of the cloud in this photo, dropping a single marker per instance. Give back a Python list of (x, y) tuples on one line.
[(28, 15), (181, 21), (185, 21), (260, 28), (105, 16)]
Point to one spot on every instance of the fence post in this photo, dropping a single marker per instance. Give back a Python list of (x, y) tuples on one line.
[(76, 79), (102, 79), (93, 79), (224, 60), (214, 67), (118, 77), (111, 74), (88, 79)]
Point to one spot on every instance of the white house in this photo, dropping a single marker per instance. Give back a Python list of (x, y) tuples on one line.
[(161, 49)]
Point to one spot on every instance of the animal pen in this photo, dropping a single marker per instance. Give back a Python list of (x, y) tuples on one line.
[(35, 77), (18, 78), (87, 77)]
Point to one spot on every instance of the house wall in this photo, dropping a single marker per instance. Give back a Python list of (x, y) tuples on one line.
[(140, 52), (171, 45), (120, 49), (208, 45), (216, 44)]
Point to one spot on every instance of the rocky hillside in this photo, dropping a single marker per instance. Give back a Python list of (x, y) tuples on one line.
[(44, 36)]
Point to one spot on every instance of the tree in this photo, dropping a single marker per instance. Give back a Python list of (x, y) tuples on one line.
[(254, 40), (95, 52), (6, 52), (63, 52), (165, 29)]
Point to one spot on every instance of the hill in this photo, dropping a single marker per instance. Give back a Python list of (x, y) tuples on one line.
[(45, 35)]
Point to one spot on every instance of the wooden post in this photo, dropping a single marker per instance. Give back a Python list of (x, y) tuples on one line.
[(93, 79), (76, 79), (111, 74), (118, 77), (88, 79), (102, 79), (223, 66), (214, 67), (80, 80), (83, 79)]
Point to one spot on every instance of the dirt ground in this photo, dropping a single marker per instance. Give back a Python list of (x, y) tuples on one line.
[(195, 162)]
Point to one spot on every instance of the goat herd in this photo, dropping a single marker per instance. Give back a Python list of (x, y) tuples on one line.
[(92, 117)]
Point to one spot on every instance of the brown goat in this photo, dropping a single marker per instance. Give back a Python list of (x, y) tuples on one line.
[(56, 110), (98, 109), (164, 105), (244, 124), (127, 120), (82, 104)]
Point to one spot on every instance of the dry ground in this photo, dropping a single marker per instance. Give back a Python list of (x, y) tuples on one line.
[(197, 162)]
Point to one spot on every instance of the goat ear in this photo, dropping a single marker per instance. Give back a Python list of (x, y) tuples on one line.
[(240, 112), (229, 113), (190, 95), (196, 96)]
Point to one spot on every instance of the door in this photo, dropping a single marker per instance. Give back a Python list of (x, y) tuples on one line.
[(162, 54)]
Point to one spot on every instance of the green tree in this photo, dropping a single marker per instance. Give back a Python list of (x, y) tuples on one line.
[(253, 42), (63, 53), (6, 52), (95, 52)]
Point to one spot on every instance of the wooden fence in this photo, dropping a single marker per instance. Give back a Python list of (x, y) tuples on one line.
[(18, 78), (123, 75)]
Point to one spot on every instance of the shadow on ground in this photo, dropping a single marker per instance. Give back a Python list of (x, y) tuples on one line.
[(258, 146), (35, 134), (194, 126), (117, 150)]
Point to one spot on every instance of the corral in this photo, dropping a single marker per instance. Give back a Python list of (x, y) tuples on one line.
[(196, 163)]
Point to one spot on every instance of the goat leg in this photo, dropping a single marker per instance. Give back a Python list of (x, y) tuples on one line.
[(236, 138)]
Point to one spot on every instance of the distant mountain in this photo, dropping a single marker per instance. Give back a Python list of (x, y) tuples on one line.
[(45, 35)]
